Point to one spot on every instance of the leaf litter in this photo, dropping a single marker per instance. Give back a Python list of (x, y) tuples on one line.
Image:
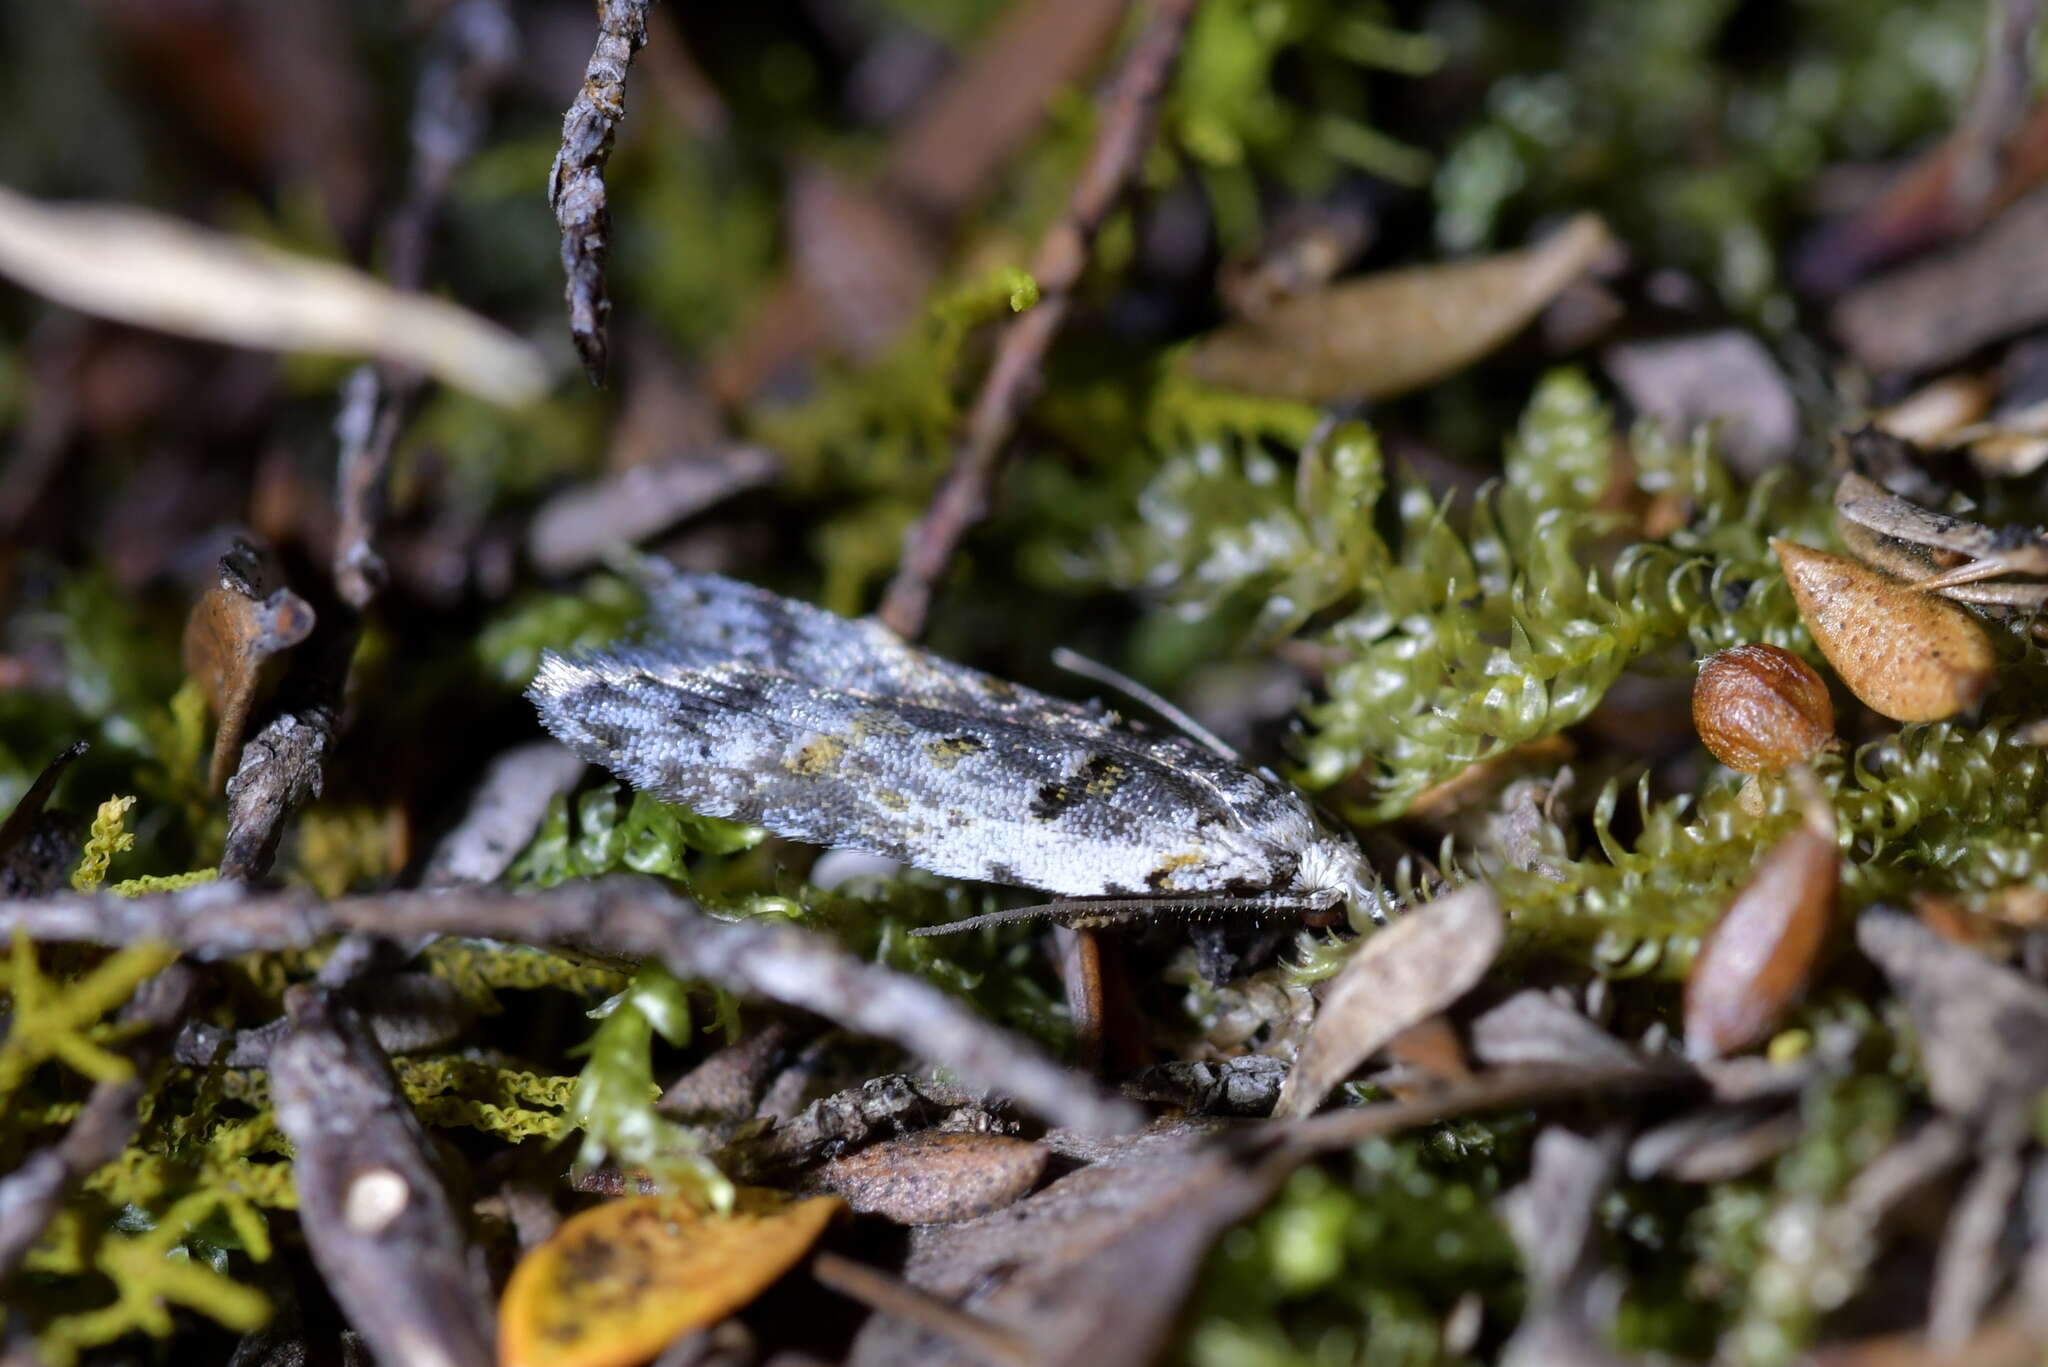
[(1668, 1079)]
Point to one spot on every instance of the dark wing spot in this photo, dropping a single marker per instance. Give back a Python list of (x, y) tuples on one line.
[(1052, 799), (1098, 777)]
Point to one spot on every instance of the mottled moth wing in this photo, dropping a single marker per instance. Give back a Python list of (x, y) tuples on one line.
[(701, 620), (948, 790), (745, 705)]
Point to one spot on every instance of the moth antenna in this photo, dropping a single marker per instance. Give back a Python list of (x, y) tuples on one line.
[(993, 918), (1107, 910), (1074, 662)]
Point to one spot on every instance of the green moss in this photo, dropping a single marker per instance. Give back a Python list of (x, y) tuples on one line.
[(1363, 1260)]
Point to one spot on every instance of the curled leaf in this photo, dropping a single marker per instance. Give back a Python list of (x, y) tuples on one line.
[(234, 641), (1910, 655), (1401, 976), (1389, 333), (1757, 959), (618, 1283)]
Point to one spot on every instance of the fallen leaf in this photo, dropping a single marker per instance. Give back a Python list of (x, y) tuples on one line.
[(1757, 959), (618, 1283), (1941, 309), (154, 271), (1402, 975), (1983, 1028), (934, 1178), (1387, 334), (1910, 655)]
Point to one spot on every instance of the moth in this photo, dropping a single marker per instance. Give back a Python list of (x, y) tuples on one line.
[(742, 704)]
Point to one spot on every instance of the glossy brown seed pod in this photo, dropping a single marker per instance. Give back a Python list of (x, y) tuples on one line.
[(1760, 709), (1910, 655)]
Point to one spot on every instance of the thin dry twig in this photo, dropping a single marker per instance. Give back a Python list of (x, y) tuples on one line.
[(576, 527), (627, 917), (282, 763), (473, 50), (576, 189), (32, 1193), (1014, 376), (377, 1216), (887, 1295)]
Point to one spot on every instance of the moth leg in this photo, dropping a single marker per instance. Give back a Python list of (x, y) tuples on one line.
[(1098, 987)]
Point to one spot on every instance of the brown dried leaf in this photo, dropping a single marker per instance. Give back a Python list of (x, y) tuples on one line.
[(935, 1178), (1535, 1028), (1983, 1028), (1936, 311), (233, 640), (1757, 959), (1909, 655), (1411, 970), (1390, 333)]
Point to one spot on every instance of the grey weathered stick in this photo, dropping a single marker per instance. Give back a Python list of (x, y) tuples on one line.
[(31, 1194), (377, 1216), (577, 526), (1013, 377), (504, 812), (282, 763), (576, 190), (630, 917), (474, 47)]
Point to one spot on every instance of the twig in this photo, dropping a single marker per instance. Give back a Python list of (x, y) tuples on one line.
[(627, 917), (474, 47), (888, 1295), (576, 190), (1013, 377), (31, 1194), (377, 1216), (281, 764), (504, 812), (577, 526)]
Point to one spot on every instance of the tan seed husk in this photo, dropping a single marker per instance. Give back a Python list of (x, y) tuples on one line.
[(1910, 655)]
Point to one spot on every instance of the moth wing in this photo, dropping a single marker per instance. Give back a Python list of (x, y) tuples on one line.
[(704, 620), (953, 791)]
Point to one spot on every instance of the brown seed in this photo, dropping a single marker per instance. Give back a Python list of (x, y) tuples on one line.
[(1910, 655), (1760, 709), (934, 1178), (1756, 960)]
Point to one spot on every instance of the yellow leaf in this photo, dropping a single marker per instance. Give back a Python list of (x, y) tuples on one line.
[(617, 1284)]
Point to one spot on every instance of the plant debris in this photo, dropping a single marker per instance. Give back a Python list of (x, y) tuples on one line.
[(1536, 518)]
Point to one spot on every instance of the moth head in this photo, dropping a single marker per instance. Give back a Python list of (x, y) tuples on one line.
[(1334, 877)]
